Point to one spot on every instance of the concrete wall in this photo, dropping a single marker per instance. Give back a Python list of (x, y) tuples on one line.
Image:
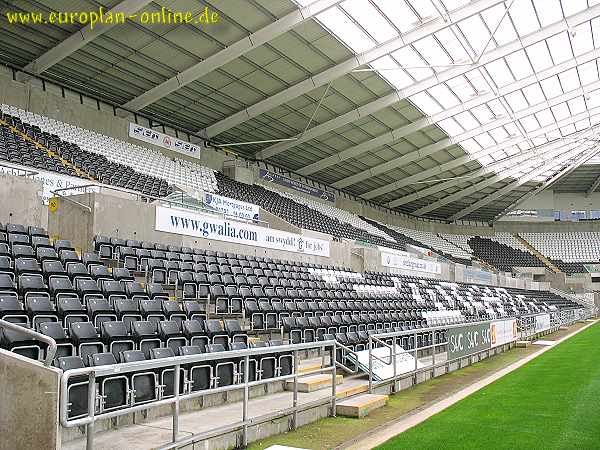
[(562, 201), (28, 404), (21, 201), (73, 222)]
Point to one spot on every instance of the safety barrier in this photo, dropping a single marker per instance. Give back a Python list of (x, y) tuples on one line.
[(89, 375)]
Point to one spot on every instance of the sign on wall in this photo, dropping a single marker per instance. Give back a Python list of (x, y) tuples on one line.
[(52, 181), (464, 341), (399, 261), (163, 140), (232, 207), (188, 223), (382, 370), (272, 177), (503, 331), (542, 322), (478, 275)]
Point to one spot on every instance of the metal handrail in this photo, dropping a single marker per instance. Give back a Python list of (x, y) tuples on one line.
[(391, 360), (52, 346), (343, 366), (177, 363), (64, 197), (27, 172), (139, 196)]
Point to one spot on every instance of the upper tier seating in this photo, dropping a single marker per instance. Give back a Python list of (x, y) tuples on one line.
[(503, 251), (459, 240), (404, 239), (329, 210), (297, 214), (438, 244), (19, 151), (567, 250), (150, 162)]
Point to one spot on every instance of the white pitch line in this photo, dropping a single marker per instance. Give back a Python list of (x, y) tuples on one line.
[(412, 420)]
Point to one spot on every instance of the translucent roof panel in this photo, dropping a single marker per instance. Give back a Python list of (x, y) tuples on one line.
[(499, 73)]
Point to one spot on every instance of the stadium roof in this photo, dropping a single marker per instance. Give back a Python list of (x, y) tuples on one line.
[(448, 109)]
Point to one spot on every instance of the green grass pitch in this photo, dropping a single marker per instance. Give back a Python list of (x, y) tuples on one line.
[(551, 403)]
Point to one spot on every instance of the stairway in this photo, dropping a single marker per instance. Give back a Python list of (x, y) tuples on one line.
[(549, 264), (50, 153)]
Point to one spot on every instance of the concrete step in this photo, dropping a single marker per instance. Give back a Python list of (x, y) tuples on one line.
[(309, 367), (352, 390), (361, 405), (523, 344), (313, 383)]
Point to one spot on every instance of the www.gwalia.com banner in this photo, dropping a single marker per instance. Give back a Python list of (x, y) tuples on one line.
[(178, 221)]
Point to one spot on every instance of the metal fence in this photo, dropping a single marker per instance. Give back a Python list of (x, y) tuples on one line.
[(89, 375), (170, 200), (429, 344)]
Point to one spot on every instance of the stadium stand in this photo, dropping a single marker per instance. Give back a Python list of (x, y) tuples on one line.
[(213, 235), (338, 214), (302, 216), (503, 251), (568, 250), (92, 310), (174, 171), (33, 147)]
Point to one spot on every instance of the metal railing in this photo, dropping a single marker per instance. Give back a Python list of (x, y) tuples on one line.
[(17, 171), (91, 374), (140, 197), (51, 350), (435, 335)]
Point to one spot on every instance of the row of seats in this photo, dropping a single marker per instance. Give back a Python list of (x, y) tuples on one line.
[(329, 210), (150, 162), (144, 386), (19, 151), (82, 338)]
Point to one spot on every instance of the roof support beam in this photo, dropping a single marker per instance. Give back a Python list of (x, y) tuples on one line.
[(438, 187), (430, 82), (515, 159), (429, 150), (235, 50), (585, 157), (515, 184), (398, 133), (550, 151), (80, 38), (593, 187), (407, 181), (347, 66)]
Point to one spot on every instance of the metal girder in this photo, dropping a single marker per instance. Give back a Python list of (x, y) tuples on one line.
[(430, 82), (550, 150), (431, 149), (398, 133), (80, 38), (474, 156), (515, 184), (593, 187), (515, 159), (585, 157), (320, 79), (437, 187), (235, 50)]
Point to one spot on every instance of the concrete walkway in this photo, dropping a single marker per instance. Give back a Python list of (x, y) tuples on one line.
[(153, 433), (382, 434)]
